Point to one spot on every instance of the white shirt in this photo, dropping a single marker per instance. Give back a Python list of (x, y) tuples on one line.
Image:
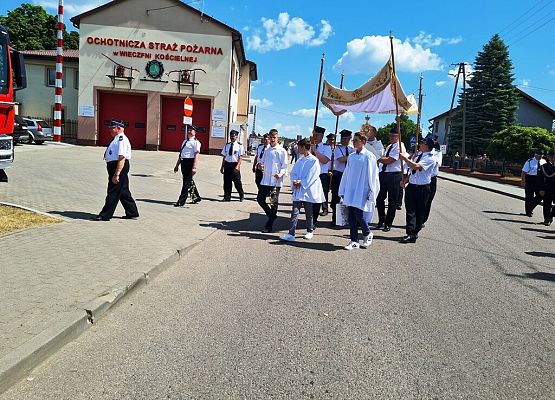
[(341, 151), (238, 151), (438, 156), (189, 148), (375, 147), (325, 150), (531, 166), (360, 183), (393, 153), (424, 176), (119, 146), (275, 162), (307, 170), (260, 152)]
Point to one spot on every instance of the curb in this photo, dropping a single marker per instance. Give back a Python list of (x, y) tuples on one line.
[(33, 210), (514, 196), (17, 364)]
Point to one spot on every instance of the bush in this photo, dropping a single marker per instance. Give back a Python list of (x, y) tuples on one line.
[(518, 143)]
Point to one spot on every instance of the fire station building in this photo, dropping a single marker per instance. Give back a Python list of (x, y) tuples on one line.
[(139, 60)]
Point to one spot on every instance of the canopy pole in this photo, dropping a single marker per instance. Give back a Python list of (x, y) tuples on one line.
[(335, 140), (318, 95), (418, 118), (394, 84)]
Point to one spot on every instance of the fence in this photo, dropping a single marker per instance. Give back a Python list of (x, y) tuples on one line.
[(69, 128), (486, 166)]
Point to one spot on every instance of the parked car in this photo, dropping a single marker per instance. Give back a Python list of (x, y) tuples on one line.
[(20, 131), (39, 130)]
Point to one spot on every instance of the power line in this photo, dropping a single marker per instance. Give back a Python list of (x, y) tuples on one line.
[(522, 15), (537, 88), (516, 36), (529, 33), (537, 11)]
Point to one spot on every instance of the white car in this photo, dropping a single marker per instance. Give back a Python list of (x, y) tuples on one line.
[(39, 130)]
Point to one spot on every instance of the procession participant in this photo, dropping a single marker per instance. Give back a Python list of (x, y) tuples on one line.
[(530, 182), (546, 175), (359, 189), (232, 155), (188, 159), (374, 145), (323, 153), (273, 165), (117, 156), (390, 181), (259, 153), (438, 156), (340, 154), (418, 189), (307, 189)]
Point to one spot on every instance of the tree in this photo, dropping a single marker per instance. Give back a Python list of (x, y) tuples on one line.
[(408, 129), (32, 28), (491, 99), (517, 143)]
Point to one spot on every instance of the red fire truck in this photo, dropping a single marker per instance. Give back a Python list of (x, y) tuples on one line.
[(12, 78)]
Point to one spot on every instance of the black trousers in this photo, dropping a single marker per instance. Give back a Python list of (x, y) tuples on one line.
[(433, 189), (548, 206), (325, 179), (390, 184), (118, 193), (271, 212), (415, 206), (258, 175), (231, 175), (335, 198), (532, 193), (187, 172)]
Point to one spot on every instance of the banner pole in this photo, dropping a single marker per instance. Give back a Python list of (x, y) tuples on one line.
[(319, 88), (394, 85), (418, 118)]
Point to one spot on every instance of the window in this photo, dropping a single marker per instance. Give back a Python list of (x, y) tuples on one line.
[(76, 79), (51, 77), (436, 127), (233, 74)]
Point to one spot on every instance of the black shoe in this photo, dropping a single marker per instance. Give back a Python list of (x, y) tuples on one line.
[(241, 198), (408, 239), (267, 229), (423, 226), (130, 217), (380, 225), (547, 223), (530, 214), (386, 228), (99, 218), (178, 204), (324, 213), (399, 207), (226, 199)]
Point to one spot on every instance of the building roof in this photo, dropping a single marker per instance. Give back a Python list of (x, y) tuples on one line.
[(67, 54), (236, 35), (520, 92)]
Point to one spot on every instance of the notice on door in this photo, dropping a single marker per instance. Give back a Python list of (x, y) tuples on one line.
[(86, 111), (218, 131)]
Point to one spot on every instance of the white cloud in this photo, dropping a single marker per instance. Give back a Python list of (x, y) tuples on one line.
[(71, 8), (368, 54), (261, 102), (325, 113), (292, 84), (440, 83), (468, 70), (525, 82), (246, 28), (427, 40), (285, 32), (304, 112)]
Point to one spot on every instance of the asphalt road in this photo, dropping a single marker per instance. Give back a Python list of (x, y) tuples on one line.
[(465, 313)]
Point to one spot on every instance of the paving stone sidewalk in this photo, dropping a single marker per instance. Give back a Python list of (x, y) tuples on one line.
[(496, 187), (51, 274)]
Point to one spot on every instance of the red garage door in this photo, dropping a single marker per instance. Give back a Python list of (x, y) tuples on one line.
[(131, 109), (173, 130)]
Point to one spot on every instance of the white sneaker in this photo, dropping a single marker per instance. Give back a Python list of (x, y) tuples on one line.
[(308, 235), (288, 238), (352, 245), (367, 240)]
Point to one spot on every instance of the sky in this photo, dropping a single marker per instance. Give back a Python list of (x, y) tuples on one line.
[(286, 40)]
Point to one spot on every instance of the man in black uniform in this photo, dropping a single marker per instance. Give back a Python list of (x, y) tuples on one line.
[(117, 156), (546, 175), (232, 154)]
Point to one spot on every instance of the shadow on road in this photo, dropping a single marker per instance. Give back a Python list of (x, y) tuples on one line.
[(514, 221), (542, 276), (163, 202), (539, 230), (501, 212), (74, 214), (540, 254)]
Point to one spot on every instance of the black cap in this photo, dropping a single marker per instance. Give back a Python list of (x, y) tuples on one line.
[(428, 142), (265, 136), (114, 123), (432, 136), (539, 151), (233, 132), (191, 126), (393, 131), (319, 129), (345, 133), (551, 153), (330, 136)]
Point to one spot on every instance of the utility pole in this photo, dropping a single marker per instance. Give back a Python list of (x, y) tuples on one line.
[(254, 120), (463, 150)]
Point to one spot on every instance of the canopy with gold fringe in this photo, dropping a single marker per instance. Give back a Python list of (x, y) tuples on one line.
[(375, 96)]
